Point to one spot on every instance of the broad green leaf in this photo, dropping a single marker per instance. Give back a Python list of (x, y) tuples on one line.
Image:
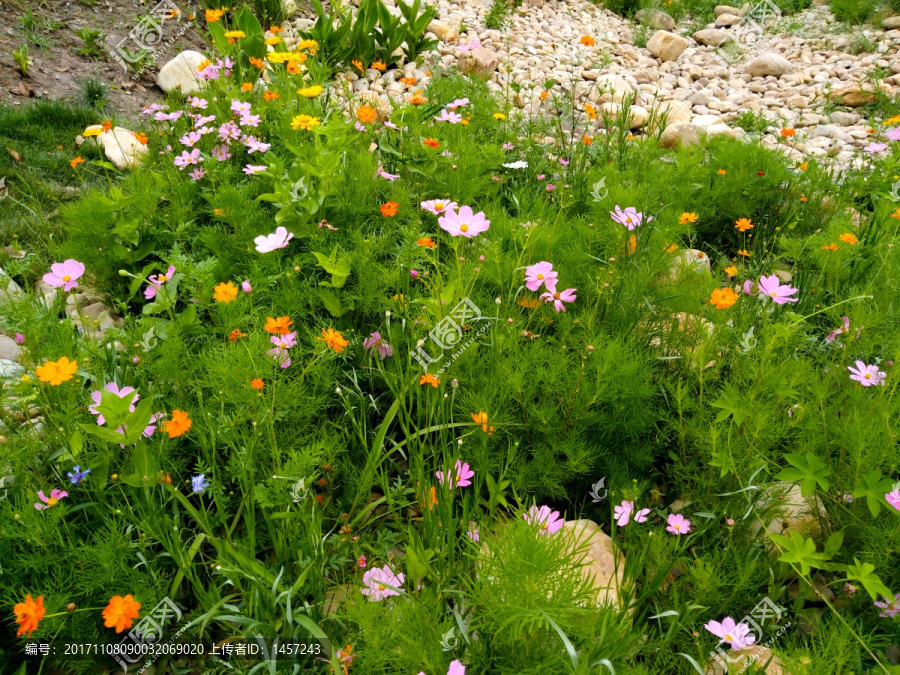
[(874, 487), (799, 551), (864, 574), (809, 472)]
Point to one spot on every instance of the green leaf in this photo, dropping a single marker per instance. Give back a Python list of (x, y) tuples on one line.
[(799, 551), (863, 573), (809, 472), (76, 443), (834, 543), (332, 304), (732, 405), (104, 433), (874, 488)]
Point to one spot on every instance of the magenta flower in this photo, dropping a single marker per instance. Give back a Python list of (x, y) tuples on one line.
[(472, 532), (375, 341), (771, 287), (253, 169), (748, 287), (361, 561), (548, 521), (630, 217), (197, 173), (539, 274), (449, 116), (272, 242), (832, 336), (52, 500), (678, 524), (380, 583), (387, 176), (185, 160), (20, 339), (641, 516), (459, 478), (867, 376), (550, 187), (65, 274), (893, 498), (558, 298), (246, 287), (737, 635), (157, 280), (112, 387), (622, 513), (464, 222), (438, 206), (891, 607)]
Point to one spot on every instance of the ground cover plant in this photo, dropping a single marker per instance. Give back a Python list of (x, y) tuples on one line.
[(439, 395)]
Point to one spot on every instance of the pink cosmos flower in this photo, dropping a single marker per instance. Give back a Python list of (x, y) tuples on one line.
[(748, 287), (678, 524), (438, 206), (220, 153), (185, 160), (771, 287), (449, 116), (641, 516), (893, 498), (387, 176), (737, 635), (375, 341), (458, 103), (253, 169), (249, 121), (361, 561), (539, 274), (508, 146), (65, 274), (380, 583), (548, 521), (53, 500), (832, 336), (893, 134), (464, 222), (201, 120), (459, 478), (190, 139), (281, 356), (229, 132), (246, 287), (630, 217), (875, 148), (622, 513), (197, 102), (456, 668), (473, 533), (867, 376), (20, 339), (168, 117), (112, 387), (197, 173), (891, 607), (549, 187), (558, 298), (157, 280), (150, 109), (254, 145), (274, 241), (359, 127), (240, 107), (285, 341)]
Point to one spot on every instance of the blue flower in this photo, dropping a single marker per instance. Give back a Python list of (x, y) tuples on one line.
[(78, 476), (199, 483)]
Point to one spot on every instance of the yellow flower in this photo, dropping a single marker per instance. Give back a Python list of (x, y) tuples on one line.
[(723, 298), (203, 64), (499, 116), (849, 238), (309, 45), (310, 92), (225, 292), (305, 122), (57, 372), (743, 224), (213, 15), (590, 111), (731, 271), (272, 41), (87, 133), (333, 340), (743, 252), (234, 35), (688, 218), (428, 378)]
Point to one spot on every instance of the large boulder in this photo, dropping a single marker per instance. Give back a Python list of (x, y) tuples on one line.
[(891, 23), (711, 37), (120, 146), (614, 88), (792, 512), (443, 31), (9, 350), (728, 20), (676, 135), (481, 61), (182, 73), (770, 64), (854, 97), (666, 46), (603, 564), (654, 18)]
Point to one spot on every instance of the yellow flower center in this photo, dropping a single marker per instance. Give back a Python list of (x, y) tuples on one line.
[(628, 220), (774, 294), (380, 587), (463, 228), (868, 376), (162, 278), (543, 526), (729, 638), (540, 276), (67, 278), (556, 296), (439, 206), (52, 501)]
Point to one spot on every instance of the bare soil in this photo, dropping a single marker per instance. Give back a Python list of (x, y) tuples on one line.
[(58, 69)]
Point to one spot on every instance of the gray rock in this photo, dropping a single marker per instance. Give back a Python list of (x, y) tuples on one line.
[(770, 64), (654, 18), (181, 73), (481, 60), (666, 46), (676, 135), (9, 350), (891, 23), (711, 37)]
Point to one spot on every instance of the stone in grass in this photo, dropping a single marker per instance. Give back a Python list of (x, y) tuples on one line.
[(793, 512), (182, 74), (615, 89), (666, 46), (761, 658), (10, 290), (603, 565), (854, 97), (711, 37), (479, 61), (120, 146), (677, 331), (9, 350), (770, 64), (891, 23), (728, 20), (676, 135), (689, 260), (654, 18)]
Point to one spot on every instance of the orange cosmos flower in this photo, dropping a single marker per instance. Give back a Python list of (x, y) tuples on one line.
[(787, 132), (257, 384), (831, 247), (431, 143), (236, 335), (587, 41), (213, 15), (366, 114), (293, 67), (141, 138), (631, 245), (587, 140), (428, 378), (804, 166), (418, 100), (896, 214), (333, 340), (178, 425), (425, 241), (106, 125), (849, 238), (743, 224), (225, 292), (721, 172), (670, 248), (429, 503), (731, 271), (743, 252), (75, 162), (57, 372), (276, 29), (121, 612), (389, 210), (378, 65), (544, 96), (409, 81), (482, 418), (271, 96), (203, 64), (256, 63), (723, 298), (687, 218), (247, 86), (590, 111), (29, 614), (357, 64), (279, 326), (529, 304)]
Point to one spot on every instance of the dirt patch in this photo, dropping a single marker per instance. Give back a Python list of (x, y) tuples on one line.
[(58, 70)]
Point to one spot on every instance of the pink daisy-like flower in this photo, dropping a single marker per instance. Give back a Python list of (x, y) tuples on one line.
[(381, 583), (771, 287), (548, 521), (641, 516), (464, 222), (737, 635), (458, 478), (891, 607), (472, 533), (220, 153), (458, 103), (630, 217), (375, 341), (186, 160), (253, 169), (50, 501), (559, 297), (240, 107), (190, 139), (748, 287), (449, 116), (867, 376), (272, 242), (438, 206), (893, 134), (622, 513), (65, 274), (197, 173), (539, 274), (112, 387), (387, 176), (678, 524), (157, 280), (893, 498)]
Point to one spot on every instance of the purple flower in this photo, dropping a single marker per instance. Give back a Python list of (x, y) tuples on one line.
[(197, 173), (630, 217), (737, 635), (20, 339), (449, 116), (185, 160), (893, 498), (748, 287), (875, 148), (253, 169), (539, 274), (457, 478), (867, 376), (473, 533), (374, 341), (246, 287), (65, 274), (381, 583), (832, 336), (771, 287), (622, 513), (508, 146), (112, 387), (157, 280), (52, 500), (558, 298), (678, 524), (890, 607), (547, 521), (199, 484), (229, 132), (77, 475), (359, 127)]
